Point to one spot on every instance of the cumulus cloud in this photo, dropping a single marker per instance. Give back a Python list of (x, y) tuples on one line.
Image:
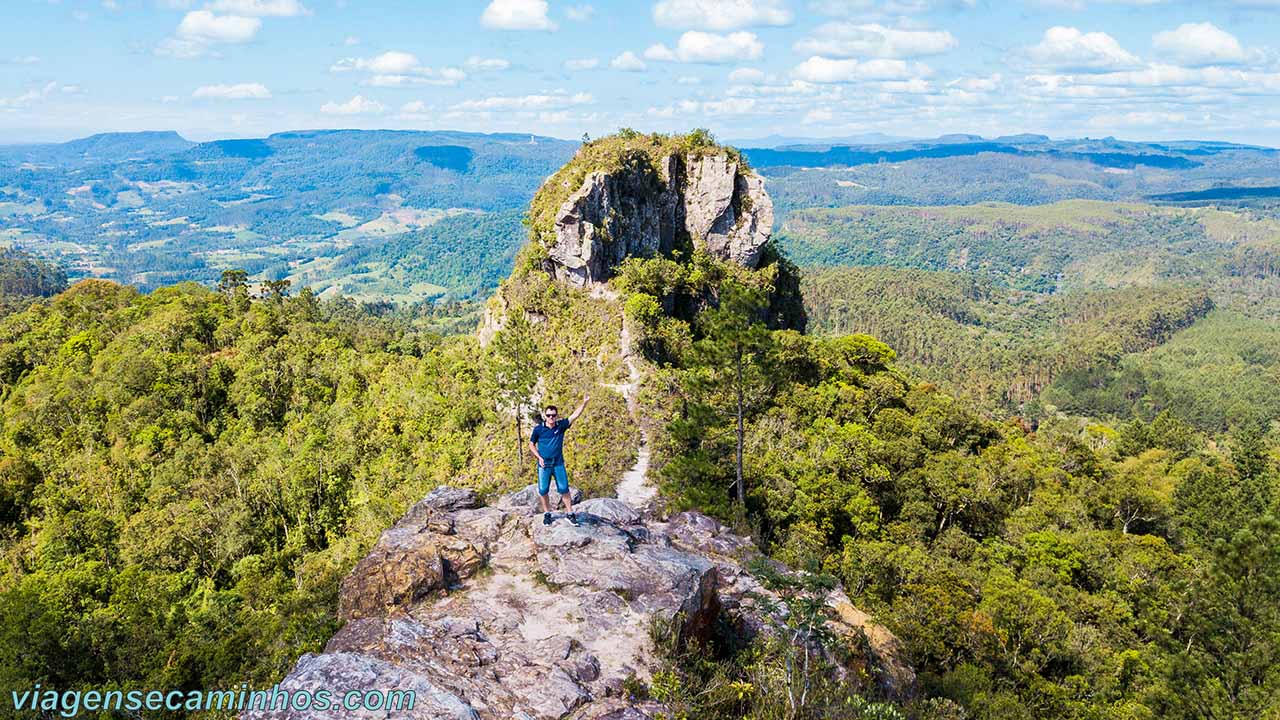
[(826, 70), (260, 8), (841, 39), (358, 105), (199, 30), (205, 26), (517, 15), (628, 62), (239, 91), (1199, 44), (579, 13), (541, 101), (1066, 48), (702, 47), (396, 68), (581, 64), (720, 14)]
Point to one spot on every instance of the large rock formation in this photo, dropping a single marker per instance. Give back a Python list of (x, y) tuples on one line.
[(635, 211), (486, 613)]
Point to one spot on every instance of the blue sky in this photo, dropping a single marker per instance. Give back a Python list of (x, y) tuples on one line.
[(1138, 69)]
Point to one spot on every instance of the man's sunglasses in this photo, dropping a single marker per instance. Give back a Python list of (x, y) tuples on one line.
[(551, 414)]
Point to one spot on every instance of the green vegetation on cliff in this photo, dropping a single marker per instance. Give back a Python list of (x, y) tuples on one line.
[(1081, 571), (629, 149)]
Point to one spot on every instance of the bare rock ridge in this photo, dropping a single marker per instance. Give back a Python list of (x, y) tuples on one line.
[(486, 613), (625, 212)]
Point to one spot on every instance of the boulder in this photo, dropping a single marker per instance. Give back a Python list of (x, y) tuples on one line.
[(608, 509), (487, 613), (340, 673), (403, 567), (527, 497)]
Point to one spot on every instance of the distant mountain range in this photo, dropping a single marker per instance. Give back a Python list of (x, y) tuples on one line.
[(410, 215)]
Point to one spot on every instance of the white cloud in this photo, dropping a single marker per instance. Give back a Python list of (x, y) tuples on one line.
[(476, 62), (747, 76), (239, 91), (358, 105), (825, 70), (774, 88), (688, 80), (580, 13), (391, 62), (526, 102), (424, 76), (914, 86), (1157, 77), (517, 15), (1199, 44), (720, 14), (199, 30), (840, 39), (817, 115), (417, 107), (628, 62), (396, 68), (260, 8), (32, 96), (989, 83), (890, 8), (1136, 119), (203, 25), (728, 106), (351, 41), (701, 47), (581, 64), (1066, 48)]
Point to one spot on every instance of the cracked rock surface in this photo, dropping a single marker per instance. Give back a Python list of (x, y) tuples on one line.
[(486, 613)]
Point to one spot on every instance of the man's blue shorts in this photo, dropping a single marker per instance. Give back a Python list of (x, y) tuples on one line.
[(544, 478)]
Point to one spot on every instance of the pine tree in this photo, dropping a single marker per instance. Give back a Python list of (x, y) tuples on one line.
[(729, 367)]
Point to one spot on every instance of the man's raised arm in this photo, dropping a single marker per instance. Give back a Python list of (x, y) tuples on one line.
[(574, 417)]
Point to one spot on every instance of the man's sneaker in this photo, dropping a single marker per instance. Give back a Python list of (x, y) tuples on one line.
[(573, 518), (546, 518)]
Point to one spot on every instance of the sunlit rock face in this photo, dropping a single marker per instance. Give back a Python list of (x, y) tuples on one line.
[(705, 201)]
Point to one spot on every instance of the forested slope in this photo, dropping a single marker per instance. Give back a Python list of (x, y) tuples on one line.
[(1105, 307)]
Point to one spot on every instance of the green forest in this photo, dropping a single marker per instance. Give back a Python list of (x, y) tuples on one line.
[(1061, 492), (1091, 309)]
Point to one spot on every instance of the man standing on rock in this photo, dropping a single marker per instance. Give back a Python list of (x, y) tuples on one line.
[(547, 444)]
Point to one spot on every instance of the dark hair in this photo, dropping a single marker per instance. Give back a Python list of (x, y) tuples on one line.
[(551, 407)]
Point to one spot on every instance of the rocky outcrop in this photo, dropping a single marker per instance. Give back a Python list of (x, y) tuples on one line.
[(637, 211), (485, 612)]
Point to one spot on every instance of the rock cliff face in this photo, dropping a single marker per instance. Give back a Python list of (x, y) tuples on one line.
[(633, 212), (486, 613)]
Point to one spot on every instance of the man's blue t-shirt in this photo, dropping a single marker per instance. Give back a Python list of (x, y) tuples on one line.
[(550, 441)]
